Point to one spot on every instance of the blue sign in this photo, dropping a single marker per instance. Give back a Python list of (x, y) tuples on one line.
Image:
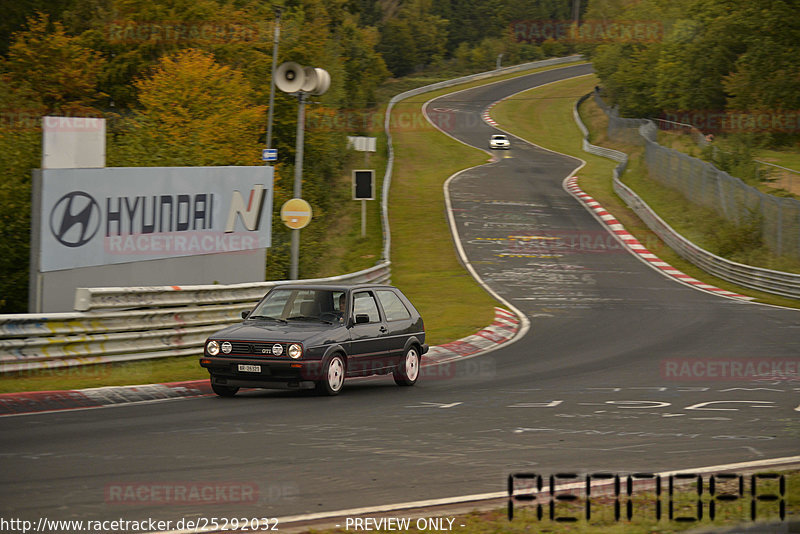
[(269, 154)]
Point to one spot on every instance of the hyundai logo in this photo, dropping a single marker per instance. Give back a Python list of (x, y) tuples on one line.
[(75, 219)]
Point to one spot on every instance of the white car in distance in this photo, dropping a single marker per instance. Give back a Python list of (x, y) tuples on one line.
[(499, 141)]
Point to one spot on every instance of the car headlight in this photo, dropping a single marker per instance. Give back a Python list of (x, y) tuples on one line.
[(295, 351), (212, 347)]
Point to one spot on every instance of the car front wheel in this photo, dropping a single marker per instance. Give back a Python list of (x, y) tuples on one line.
[(332, 377), (224, 391), (407, 370)]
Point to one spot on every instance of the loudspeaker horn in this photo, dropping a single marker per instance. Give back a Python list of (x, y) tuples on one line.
[(310, 79), (323, 82), (290, 77)]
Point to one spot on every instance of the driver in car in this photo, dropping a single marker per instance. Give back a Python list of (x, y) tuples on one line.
[(340, 312)]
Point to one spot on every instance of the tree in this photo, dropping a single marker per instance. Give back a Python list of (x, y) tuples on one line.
[(415, 38), (52, 67), (398, 48), (193, 112), (45, 72), (714, 56), (20, 149), (766, 75), (364, 68), (17, 12)]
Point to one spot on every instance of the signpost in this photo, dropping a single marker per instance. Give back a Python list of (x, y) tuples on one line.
[(363, 180), (363, 190), (269, 154)]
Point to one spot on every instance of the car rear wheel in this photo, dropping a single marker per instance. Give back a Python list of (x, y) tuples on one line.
[(332, 377), (407, 370), (224, 391)]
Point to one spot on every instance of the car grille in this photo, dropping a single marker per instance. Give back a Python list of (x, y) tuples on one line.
[(260, 349)]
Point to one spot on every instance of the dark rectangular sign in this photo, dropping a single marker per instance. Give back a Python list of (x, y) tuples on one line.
[(364, 185)]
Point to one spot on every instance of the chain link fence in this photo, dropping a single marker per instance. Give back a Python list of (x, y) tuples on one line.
[(702, 183)]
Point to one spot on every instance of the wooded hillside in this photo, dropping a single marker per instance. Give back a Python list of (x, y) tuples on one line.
[(186, 82)]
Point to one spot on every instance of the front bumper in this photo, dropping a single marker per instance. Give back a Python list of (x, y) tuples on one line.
[(283, 373)]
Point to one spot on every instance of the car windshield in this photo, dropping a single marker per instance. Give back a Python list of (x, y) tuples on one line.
[(301, 305), (499, 137)]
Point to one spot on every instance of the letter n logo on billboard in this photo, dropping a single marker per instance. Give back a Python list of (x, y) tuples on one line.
[(250, 214)]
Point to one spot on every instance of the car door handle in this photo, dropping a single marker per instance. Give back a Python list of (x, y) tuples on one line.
[(383, 329)]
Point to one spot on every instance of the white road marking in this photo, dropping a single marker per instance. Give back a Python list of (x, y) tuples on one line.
[(436, 405)]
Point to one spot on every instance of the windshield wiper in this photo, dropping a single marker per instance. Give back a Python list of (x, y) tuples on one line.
[(303, 318), (284, 321), (308, 319)]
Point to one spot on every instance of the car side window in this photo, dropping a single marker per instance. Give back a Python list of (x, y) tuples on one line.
[(364, 304), (393, 307)]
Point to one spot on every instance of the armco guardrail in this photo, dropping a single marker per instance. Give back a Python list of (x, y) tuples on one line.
[(159, 296), (609, 153), (175, 322), (131, 323), (775, 282)]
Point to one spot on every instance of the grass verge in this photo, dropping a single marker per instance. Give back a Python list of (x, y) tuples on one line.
[(174, 369), (544, 116), (783, 182), (347, 251)]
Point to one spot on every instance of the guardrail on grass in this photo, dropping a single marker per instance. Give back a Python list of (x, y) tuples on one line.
[(775, 282), (125, 324)]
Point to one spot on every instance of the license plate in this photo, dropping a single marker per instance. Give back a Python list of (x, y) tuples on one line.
[(250, 368)]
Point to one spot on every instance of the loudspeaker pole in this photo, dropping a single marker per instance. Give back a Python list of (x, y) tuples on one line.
[(302, 81), (272, 78), (298, 179)]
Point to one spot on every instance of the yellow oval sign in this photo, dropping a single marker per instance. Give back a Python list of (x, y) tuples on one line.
[(296, 213)]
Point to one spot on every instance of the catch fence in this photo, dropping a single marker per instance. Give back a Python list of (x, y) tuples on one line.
[(702, 183)]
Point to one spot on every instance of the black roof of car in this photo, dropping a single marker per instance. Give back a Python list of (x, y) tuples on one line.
[(333, 287)]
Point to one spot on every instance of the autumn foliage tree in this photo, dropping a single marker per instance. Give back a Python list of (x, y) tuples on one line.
[(47, 66), (175, 94), (193, 111), (46, 71)]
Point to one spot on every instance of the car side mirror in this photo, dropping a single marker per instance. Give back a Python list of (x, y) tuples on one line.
[(245, 314), (362, 318)]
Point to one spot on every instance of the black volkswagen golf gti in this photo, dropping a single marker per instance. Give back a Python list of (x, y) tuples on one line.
[(315, 336)]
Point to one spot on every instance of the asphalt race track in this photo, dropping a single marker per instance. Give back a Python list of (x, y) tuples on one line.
[(599, 383)]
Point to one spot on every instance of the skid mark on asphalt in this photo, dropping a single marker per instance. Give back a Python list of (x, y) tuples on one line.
[(519, 253)]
